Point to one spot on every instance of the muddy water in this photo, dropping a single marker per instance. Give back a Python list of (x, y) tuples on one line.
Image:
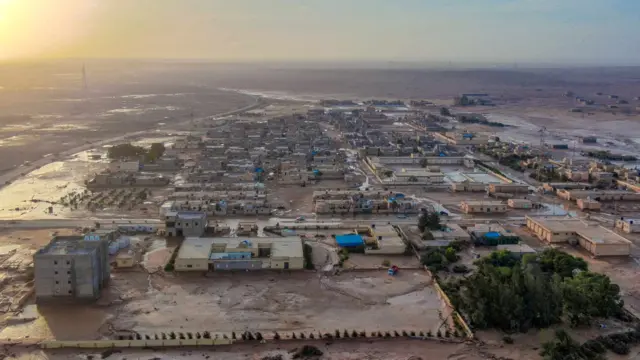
[(46, 184), (55, 322)]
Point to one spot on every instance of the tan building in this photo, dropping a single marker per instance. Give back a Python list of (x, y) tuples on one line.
[(599, 195), (509, 188), (577, 175), (588, 204), (520, 204), (472, 207), (628, 225), (225, 254), (125, 260), (468, 186), (596, 239)]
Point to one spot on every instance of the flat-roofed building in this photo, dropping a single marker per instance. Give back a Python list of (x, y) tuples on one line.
[(509, 188), (471, 207), (468, 186), (628, 225), (596, 239), (224, 254), (520, 204), (588, 204)]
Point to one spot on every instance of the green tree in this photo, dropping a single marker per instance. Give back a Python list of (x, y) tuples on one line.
[(445, 112), (450, 254), (588, 295)]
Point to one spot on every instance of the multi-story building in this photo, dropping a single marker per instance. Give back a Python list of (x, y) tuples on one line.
[(470, 207), (185, 223), (71, 268)]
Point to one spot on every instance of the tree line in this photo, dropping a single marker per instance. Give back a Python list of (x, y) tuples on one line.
[(536, 291)]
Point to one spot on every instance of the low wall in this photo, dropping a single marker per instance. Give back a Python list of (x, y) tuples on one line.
[(439, 290), (104, 344)]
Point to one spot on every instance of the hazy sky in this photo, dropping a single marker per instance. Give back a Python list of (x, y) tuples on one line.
[(585, 31)]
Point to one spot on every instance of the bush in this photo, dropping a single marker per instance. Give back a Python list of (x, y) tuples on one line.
[(169, 267), (308, 258), (386, 263), (460, 269)]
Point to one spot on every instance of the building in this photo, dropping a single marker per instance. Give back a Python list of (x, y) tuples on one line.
[(470, 207), (225, 254), (124, 166), (588, 204), (185, 223), (517, 250), (509, 188), (596, 239), (71, 268), (520, 204), (451, 232), (599, 195), (418, 176), (628, 225), (125, 260), (468, 186), (386, 241)]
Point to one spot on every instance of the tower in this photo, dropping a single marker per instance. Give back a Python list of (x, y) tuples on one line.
[(85, 87)]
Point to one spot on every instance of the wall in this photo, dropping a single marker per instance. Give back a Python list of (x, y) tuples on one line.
[(225, 265), (104, 344), (196, 264), (294, 263)]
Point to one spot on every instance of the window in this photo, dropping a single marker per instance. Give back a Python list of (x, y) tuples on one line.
[(68, 263), (57, 282), (55, 263), (189, 266), (69, 291), (68, 281), (196, 223), (68, 272), (55, 273), (179, 224)]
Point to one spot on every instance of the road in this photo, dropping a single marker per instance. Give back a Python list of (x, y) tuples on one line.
[(16, 173)]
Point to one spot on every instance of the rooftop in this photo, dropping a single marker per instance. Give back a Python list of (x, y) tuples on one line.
[(591, 232), (69, 245), (200, 248), (184, 215)]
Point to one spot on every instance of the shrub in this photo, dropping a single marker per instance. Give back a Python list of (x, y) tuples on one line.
[(507, 339), (439, 334), (386, 263)]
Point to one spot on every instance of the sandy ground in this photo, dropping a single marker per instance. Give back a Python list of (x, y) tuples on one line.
[(349, 350), (135, 301)]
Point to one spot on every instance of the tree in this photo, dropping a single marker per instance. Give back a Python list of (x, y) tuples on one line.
[(412, 179), (589, 295), (424, 162), (445, 112), (450, 254)]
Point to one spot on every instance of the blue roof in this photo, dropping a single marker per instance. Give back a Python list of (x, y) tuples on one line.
[(349, 240), (492, 235)]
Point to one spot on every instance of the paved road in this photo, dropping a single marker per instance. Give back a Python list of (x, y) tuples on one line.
[(19, 171)]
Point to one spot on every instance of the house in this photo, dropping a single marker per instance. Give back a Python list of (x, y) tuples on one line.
[(470, 207), (588, 204), (185, 223), (628, 225), (520, 204)]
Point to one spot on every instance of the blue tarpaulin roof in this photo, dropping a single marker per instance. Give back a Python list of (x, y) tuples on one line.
[(492, 234), (349, 240)]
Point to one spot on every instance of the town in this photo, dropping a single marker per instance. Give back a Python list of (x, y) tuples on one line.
[(339, 219)]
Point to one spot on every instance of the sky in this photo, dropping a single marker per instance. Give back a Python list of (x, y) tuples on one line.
[(505, 31)]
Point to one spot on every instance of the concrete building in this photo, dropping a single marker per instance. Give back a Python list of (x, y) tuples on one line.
[(628, 225), (418, 176), (471, 207), (386, 240), (224, 254), (187, 224), (124, 166), (599, 195), (517, 250), (451, 232), (596, 239), (588, 204), (71, 268), (509, 188), (468, 186), (520, 204)]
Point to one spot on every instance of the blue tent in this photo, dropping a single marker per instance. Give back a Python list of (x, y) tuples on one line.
[(349, 240), (316, 172), (259, 170)]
